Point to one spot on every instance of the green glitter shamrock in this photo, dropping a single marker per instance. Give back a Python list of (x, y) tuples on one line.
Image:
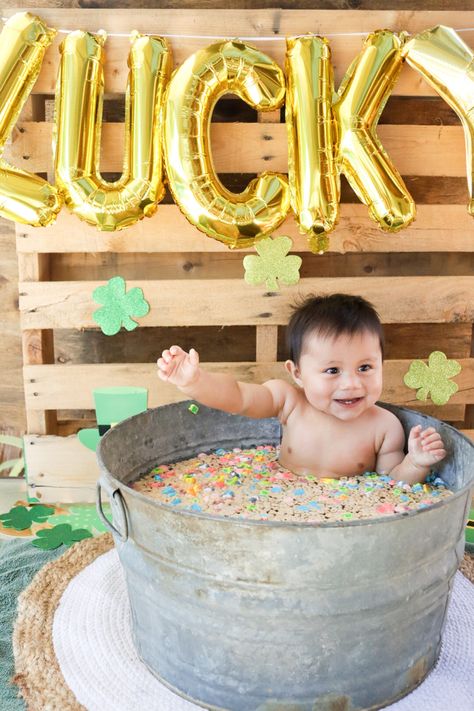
[(63, 534), (272, 264), (20, 518), (118, 306), (433, 378)]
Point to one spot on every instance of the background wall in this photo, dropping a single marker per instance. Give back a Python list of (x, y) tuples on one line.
[(72, 346)]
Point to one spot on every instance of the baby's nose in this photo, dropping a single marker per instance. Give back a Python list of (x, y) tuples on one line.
[(350, 380)]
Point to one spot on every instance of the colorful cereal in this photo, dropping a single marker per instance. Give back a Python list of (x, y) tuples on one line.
[(250, 483)]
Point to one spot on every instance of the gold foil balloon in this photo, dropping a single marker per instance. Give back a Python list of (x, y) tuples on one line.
[(24, 197), (237, 220), (79, 96), (447, 64), (361, 157), (312, 170)]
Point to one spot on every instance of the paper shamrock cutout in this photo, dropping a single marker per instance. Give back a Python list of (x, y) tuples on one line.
[(20, 518), (433, 378), (119, 306), (81, 516), (273, 263), (62, 534)]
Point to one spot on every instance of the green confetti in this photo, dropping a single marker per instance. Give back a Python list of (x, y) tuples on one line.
[(118, 306), (272, 264), (21, 518), (433, 378), (61, 535), (194, 409)]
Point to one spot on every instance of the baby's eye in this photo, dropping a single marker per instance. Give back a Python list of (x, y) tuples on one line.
[(364, 368), (332, 371)]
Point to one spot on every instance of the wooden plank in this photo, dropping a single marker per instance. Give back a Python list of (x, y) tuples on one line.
[(453, 414), (408, 340), (48, 386), (267, 344), (60, 462), (229, 265), (249, 24), (225, 302), (216, 344), (37, 345), (413, 110), (266, 347), (257, 147), (64, 494), (12, 415), (401, 110), (444, 228), (270, 4)]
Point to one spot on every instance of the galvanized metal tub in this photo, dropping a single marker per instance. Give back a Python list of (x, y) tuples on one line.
[(277, 616)]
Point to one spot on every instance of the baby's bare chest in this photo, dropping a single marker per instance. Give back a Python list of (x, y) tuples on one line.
[(327, 448)]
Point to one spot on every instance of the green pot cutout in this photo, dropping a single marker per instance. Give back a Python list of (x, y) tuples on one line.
[(89, 438), (112, 405)]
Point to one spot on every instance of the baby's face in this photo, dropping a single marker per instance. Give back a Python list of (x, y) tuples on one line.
[(341, 376)]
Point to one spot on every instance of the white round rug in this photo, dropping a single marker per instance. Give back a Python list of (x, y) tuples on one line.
[(93, 645)]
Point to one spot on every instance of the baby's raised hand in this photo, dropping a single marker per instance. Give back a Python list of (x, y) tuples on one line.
[(178, 367), (425, 447)]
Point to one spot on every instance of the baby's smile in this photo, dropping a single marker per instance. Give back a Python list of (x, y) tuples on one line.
[(353, 402)]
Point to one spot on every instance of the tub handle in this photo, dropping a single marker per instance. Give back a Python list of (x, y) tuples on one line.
[(116, 503)]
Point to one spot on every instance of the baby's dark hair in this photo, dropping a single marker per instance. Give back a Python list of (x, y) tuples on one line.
[(332, 315)]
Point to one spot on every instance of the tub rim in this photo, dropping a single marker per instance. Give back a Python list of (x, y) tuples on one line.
[(105, 478)]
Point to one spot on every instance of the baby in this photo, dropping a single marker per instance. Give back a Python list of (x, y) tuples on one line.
[(331, 424)]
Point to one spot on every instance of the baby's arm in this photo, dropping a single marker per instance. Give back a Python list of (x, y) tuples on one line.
[(425, 448), (220, 390)]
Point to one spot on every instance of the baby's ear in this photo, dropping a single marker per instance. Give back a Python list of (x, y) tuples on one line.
[(293, 371)]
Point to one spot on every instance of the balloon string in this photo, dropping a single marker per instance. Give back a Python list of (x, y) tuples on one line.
[(250, 39)]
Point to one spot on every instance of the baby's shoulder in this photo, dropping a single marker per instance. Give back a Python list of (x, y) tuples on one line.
[(285, 396), (388, 426), (386, 416)]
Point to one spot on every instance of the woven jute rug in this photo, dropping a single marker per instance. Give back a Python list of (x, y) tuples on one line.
[(37, 671), (73, 645)]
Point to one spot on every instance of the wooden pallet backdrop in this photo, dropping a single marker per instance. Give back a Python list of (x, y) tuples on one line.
[(420, 280)]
